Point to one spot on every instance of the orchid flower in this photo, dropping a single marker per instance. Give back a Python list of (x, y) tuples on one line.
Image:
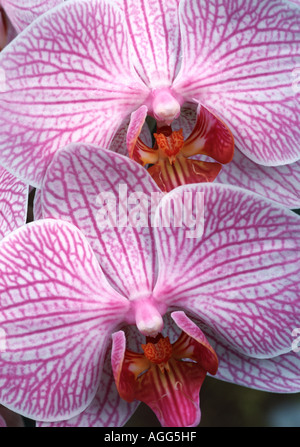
[(84, 67), (179, 299), (15, 15), (13, 203)]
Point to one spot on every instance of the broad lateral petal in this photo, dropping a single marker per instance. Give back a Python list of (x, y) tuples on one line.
[(57, 312), (107, 196), (238, 61), (276, 375), (13, 202), (155, 35), (240, 275), (23, 12), (107, 408), (278, 183), (68, 78)]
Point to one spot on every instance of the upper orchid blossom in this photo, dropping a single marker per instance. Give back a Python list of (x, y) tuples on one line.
[(13, 203), (70, 80), (117, 264), (16, 15)]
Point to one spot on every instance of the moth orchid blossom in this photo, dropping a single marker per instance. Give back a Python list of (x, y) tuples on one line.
[(13, 203), (178, 301), (15, 15), (90, 65)]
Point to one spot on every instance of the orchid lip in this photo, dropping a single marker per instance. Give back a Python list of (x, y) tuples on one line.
[(167, 376)]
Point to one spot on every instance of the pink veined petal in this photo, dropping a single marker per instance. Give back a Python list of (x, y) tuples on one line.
[(117, 145), (277, 375), (238, 60), (13, 202), (241, 276), (56, 315), (68, 78), (107, 408), (107, 196), (278, 183), (23, 12), (153, 26)]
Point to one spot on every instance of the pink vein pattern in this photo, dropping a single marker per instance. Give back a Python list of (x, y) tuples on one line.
[(153, 26), (83, 92), (72, 189), (13, 203), (238, 60), (107, 408), (57, 311), (278, 374), (117, 145), (23, 12), (241, 277), (278, 183)]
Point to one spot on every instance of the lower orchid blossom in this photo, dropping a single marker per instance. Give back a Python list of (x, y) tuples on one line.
[(121, 293), (13, 203), (71, 80)]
